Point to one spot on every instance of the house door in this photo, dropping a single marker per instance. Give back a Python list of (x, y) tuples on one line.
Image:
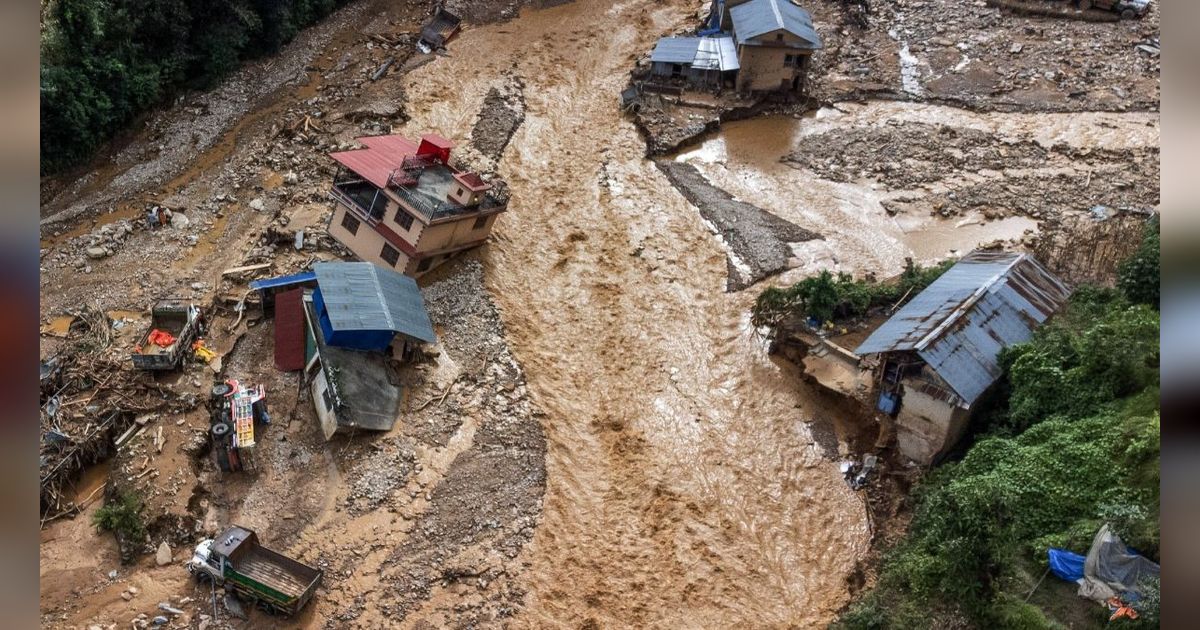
[(795, 83)]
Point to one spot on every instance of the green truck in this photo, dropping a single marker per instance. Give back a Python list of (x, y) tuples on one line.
[(237, 561)]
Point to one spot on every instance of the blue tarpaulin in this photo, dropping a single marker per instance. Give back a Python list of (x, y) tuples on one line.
[(1065, 564)]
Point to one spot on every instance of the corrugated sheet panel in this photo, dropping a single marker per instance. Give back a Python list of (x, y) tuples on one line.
[(382, 156), (363, 296), (280, 281), (757, 17), (959, 324), (289, 330), (716, 53), (675, 50)]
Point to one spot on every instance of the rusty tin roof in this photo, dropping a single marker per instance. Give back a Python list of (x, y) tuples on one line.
[(959, 324)]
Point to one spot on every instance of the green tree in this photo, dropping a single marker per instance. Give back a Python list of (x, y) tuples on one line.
[(1139, 276)]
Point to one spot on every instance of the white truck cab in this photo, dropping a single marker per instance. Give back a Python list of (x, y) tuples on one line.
[(201, 562)]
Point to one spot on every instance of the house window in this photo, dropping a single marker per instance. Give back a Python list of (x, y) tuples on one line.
[(779, 37), (789, 60), (328, 399), (459, 193), (676, 69), (351, 223), (404, 219), (480, 223), (424, 264), (390, 254)]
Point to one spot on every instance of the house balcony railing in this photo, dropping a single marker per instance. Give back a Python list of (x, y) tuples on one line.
[(364, 200)]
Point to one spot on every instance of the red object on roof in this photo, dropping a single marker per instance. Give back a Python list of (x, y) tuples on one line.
[(382, 156), (472, 182), (289, 330), (433, 144)]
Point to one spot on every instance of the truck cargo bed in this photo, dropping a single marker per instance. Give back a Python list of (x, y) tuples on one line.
[(276, 571)]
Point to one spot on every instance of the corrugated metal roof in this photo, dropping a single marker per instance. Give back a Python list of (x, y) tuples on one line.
[(702, 53), (757, 17), (382, 156), (675, 50), (959, 324), (716, 53), (279, 281), (363, 296)]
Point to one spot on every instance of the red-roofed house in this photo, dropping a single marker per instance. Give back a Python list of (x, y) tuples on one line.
[(401, 205)]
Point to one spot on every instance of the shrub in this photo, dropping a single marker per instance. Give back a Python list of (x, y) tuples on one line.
[(122, 516), (826, 297), (1139, 275)]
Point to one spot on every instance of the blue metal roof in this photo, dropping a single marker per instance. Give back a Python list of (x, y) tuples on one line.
[(758, 17), (959, 324), (363, 296), (281, 281)]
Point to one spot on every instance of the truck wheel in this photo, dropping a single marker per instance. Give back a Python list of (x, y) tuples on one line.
[(1084, 5), (1127, 14), (221, 389), (221, 429)]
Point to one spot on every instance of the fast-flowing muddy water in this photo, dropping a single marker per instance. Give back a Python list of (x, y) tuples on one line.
[(683, 486), (684, 489)]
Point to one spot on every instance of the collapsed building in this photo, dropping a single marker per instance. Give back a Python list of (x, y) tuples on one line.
[(346, 325), (939, 354), (749, 45), (403, 206)]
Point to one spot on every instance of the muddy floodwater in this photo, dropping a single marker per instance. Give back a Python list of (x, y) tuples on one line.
[(683, 486)]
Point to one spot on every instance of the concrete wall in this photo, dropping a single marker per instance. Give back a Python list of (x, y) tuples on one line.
[(926, 426), (448, 235), (763, 68), (325, 416), (367, 244)]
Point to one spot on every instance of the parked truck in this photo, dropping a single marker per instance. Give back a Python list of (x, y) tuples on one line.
[(269, 579), (174, 326)]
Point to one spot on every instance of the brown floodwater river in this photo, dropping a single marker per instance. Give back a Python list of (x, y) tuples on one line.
[(684, 488)]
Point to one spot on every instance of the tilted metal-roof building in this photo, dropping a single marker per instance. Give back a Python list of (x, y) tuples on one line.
[(363, 306), (959, 324)]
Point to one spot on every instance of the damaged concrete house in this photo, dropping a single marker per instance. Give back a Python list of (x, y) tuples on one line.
[(346, 324), (749, 45), (938, 354), (403, 206)]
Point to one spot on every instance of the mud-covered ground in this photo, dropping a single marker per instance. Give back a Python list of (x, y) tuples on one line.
[(954, 171), (967, 54)]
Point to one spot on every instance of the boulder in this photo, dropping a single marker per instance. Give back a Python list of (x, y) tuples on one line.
[(163, 556), (96, 253), (179, 221), (258, 205)]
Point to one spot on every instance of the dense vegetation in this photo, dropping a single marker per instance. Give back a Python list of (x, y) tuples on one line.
[(825, 297), (106, 61), (1072, 443)]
